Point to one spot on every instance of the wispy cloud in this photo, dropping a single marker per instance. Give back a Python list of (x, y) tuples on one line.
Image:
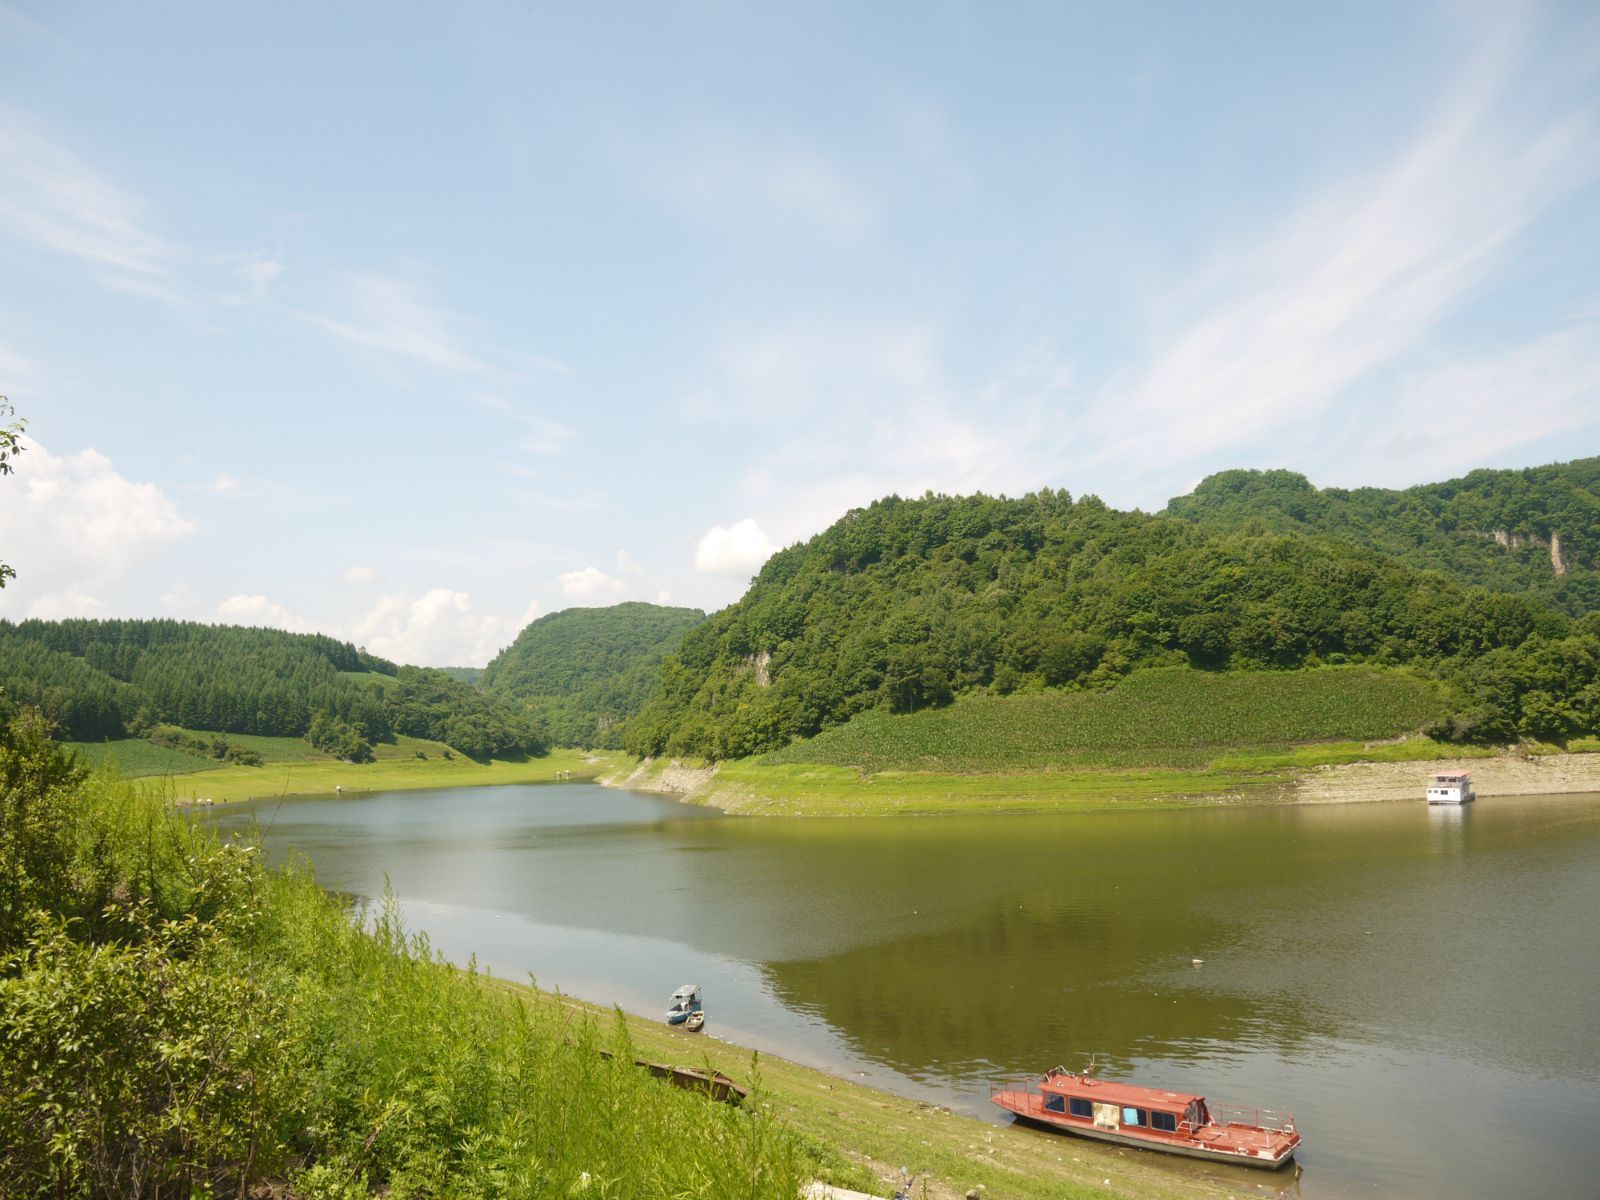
[(53, 199), (856, 412), (1277, 331), (1464, 413), (393, 317), (539, 434)]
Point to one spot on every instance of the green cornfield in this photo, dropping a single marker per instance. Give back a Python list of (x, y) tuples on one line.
[(1173, 717)]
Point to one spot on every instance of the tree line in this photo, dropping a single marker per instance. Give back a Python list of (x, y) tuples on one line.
[(109, 679)]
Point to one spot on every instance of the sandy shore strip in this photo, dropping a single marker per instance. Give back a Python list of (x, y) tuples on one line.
[(1503, 775)]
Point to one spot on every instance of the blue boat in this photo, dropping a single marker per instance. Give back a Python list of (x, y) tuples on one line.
[(685, 1000)]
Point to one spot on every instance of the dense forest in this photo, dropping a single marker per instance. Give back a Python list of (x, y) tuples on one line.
[(108, 679), (911, 603), (1497, 529), (584, 672)]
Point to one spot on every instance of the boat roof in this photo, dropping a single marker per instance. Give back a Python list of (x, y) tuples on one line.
[(687, 989), (1452, 775), (1108, 1092)]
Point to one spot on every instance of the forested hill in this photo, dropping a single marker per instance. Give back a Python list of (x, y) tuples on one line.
[(911, 603), (106, 679), (1535, 531), (585, 671)]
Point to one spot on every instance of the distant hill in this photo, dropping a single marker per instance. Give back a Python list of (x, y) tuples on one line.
[(1534, 531), (99, 680), (911, 604), (585, 671)]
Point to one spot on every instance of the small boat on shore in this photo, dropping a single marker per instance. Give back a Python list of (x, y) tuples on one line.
[(685, 1000), (1130, 1115), (1451, 787), (696, 1021), (713, 1084)]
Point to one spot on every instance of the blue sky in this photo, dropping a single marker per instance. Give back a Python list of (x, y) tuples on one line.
[(409, 323)]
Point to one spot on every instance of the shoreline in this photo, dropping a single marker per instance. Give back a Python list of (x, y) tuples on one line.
[(952, 1155), (755, 789), (748, 788)]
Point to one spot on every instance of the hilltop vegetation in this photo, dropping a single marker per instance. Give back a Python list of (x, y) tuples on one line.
[(908, 604), (584, 672), (1491, 528), (100, 680)]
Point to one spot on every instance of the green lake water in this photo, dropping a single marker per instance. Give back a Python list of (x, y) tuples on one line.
[(1417, 985)]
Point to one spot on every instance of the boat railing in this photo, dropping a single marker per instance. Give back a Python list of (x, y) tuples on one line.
[(1260, 1118)]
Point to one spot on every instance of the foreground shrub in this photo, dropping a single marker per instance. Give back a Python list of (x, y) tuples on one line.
[(178, 1021)]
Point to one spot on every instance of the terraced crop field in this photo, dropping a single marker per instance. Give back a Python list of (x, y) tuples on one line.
[(1164, 718)]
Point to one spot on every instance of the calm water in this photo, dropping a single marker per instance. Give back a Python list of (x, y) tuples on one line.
[(1417, 985)]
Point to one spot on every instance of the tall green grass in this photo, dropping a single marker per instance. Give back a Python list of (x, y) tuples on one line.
[(1170, 718), (177, 1020)]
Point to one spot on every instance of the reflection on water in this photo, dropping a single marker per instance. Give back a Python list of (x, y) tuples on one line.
[(1396, 975)]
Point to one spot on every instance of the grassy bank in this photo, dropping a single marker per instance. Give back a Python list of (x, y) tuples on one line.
[(1263, 776), (180, 1021), (292, 768), (951, 1154)]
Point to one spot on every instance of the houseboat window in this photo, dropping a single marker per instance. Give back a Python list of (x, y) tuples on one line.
[(1081, 1106), (1054, 1103), (1166, 1122), (1132, 1116)]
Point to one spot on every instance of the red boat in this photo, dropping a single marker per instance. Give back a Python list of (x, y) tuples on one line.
[(1130, 1115)]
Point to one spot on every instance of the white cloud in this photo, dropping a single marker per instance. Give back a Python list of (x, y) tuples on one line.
[(258, 610), (740, 549), (437, 629), (663, 597), (73, 527), (626, 564), (591, 584), (223, 484), (356, 575)]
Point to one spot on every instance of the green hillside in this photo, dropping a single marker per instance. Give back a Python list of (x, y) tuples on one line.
[(100, 681), (908, 604), (1497, 529), (1169, 717), (585, 671)]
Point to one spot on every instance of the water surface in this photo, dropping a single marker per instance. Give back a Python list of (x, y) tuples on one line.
[(1416, 984)]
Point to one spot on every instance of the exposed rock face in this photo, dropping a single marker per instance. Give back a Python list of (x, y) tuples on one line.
[(1516, 541), (1512, 541), (763, 667)]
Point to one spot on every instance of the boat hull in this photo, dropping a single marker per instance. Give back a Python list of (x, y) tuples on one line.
[(1029, 1113)]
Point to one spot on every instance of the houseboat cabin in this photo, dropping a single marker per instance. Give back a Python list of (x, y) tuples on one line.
[(1451, 787), (1175, 1122)]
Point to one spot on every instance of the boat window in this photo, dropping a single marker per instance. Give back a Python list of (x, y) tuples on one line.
[(1055, 1103), (1132, 1116), (1166, 1122), (1081, 1106)]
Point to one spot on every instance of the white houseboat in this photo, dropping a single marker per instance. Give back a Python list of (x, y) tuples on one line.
[(1451, 787)]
